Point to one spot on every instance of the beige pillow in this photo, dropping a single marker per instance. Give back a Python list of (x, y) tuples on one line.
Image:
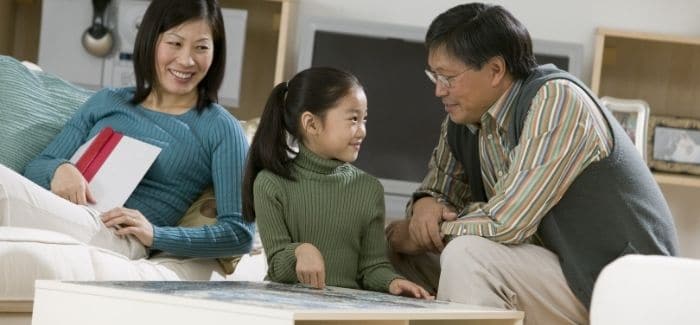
[(203, 212)]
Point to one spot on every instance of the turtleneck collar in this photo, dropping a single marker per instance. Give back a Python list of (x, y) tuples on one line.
[(307, 159)]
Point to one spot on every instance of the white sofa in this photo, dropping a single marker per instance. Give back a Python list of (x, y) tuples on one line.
[(33, 107), (638, 289), (30, 254)]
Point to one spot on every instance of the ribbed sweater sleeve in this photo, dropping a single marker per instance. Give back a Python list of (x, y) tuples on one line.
[(40, 170), (270, 200), (230, 235), (375, 271)]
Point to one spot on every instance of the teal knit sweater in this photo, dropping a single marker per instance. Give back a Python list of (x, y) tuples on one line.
[(198, 149), (333, 206)]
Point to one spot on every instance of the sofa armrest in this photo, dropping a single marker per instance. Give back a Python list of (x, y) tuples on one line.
[(637, 289)]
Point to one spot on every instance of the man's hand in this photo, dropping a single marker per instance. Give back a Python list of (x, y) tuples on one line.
[(69, 183), (399, 238), (311, 268), (130, 222), (424, 226)]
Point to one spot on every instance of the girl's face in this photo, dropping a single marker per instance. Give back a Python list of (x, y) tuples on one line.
[(183, 56), (342, 130)]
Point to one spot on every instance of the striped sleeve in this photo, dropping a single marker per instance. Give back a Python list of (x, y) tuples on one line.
[(445, 179), (280, 248), (563, 133)]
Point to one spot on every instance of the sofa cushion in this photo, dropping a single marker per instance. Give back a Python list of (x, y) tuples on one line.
[(201, 213), (34, 106)]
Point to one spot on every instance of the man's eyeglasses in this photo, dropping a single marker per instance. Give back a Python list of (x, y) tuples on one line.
[(445, 81)]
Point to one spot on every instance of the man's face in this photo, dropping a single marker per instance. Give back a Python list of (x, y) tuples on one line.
[(470, 92)]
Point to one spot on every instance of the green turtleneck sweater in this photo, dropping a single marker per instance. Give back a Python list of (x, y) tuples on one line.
[(333, 206)]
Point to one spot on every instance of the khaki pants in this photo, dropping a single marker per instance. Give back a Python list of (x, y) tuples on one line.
[(26, 204), (476, 271)]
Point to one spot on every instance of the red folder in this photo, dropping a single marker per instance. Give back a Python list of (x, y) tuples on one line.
[(97, 152)]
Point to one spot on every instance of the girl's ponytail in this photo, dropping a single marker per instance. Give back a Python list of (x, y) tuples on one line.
[(269, 148)]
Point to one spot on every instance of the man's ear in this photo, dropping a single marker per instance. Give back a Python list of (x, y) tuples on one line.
[(310, 123), (498, 70)]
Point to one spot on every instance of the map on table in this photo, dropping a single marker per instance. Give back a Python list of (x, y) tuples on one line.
[(275, 295)]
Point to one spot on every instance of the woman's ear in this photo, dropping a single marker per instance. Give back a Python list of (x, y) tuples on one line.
[(310, 123)]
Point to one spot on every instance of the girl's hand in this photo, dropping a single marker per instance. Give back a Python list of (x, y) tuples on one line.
[(401, 287), (311, 269), (69, 183), (130, 222)]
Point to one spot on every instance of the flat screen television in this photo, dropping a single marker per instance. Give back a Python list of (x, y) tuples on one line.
[(404, 114)]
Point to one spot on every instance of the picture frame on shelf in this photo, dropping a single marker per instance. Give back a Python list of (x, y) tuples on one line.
[(674, 145), (633, 116)]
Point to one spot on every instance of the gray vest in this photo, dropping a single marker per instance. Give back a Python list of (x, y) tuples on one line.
[(613, 208)]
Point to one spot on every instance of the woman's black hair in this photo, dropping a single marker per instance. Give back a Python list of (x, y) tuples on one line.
[(313, 90), (163, 15), (477, 32)]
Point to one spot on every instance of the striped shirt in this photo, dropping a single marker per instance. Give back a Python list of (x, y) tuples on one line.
[(563, 133)]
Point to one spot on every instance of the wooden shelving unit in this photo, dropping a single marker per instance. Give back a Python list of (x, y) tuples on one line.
[(663, 70), (677, 179), (265, 54)]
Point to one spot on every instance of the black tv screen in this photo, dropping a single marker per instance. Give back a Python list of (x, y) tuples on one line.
[(404, 115)]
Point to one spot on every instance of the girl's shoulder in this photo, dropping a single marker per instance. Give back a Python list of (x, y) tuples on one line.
[(268, 182), (365, 178)]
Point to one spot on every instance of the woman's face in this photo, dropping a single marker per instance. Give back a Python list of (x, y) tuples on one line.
[(184, 54)]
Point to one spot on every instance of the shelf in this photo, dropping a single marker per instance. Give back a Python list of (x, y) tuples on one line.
[(677, 179)]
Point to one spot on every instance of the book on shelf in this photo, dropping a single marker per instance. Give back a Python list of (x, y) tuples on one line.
[(113, 164)]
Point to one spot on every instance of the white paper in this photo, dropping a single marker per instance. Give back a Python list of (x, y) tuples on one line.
[(120, 173)]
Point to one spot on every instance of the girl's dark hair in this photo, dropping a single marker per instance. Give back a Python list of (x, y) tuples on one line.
[(477, 32), (163, 15), (314, 90)]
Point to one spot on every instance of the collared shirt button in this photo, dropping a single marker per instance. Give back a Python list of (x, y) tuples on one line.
[(490, 136), (500, 173)]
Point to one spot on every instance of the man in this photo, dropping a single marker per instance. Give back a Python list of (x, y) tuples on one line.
[(533, 187)]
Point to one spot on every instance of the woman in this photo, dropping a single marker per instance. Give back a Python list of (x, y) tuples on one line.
[(179, 60)]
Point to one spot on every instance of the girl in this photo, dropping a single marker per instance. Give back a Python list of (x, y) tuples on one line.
[(179, 59), (321, 219)]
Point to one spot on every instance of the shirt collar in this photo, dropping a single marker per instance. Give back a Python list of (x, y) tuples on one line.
[(499, 110)]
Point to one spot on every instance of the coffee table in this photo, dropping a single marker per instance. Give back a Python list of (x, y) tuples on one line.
[(256, 303)]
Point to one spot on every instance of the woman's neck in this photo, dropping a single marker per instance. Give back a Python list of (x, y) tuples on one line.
[(175, 105)]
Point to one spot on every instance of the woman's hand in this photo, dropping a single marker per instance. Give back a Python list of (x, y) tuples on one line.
[(130, 222), (311, 269), (69, 183), (401, 287)]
